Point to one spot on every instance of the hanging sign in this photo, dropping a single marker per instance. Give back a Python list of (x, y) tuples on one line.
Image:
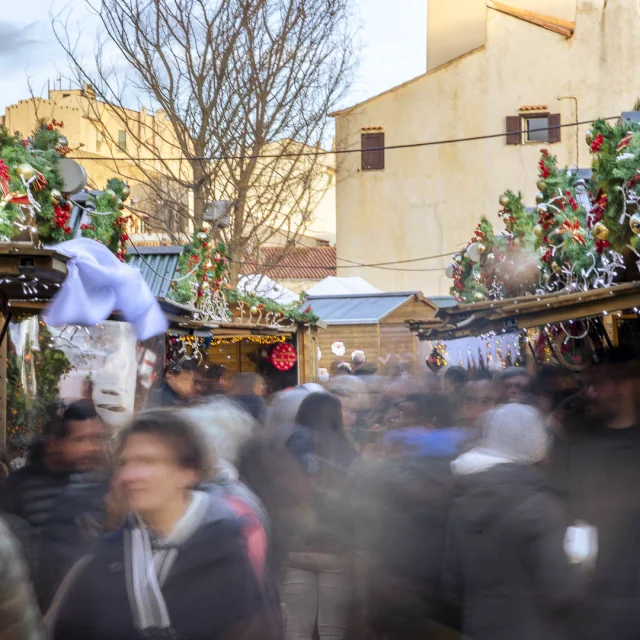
[(284, 356), (338, 349)]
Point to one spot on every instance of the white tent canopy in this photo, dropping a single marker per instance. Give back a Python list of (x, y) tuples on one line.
[(341, 286), (265, 287)]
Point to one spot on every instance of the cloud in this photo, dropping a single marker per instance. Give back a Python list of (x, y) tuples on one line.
[(16, 38)]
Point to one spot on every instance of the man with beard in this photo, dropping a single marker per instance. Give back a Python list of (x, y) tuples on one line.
[(596, 463), (78, 513)]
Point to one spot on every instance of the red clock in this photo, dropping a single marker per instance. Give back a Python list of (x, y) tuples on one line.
[(284, 356)]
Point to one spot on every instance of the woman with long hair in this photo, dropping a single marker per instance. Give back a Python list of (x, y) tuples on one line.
[(317, 580)]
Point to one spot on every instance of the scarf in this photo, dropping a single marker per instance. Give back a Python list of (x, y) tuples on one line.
[(477, 460), (148, 561)]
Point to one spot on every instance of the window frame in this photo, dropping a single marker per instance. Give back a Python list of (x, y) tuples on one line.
[(525, 118), (122, 147), (367, 153)]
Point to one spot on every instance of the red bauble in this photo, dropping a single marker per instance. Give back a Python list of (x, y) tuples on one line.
[(284, 356)]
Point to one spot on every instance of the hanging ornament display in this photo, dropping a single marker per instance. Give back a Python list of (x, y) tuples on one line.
[(542, 185), (600, 231), (504, 200), (436, 360), (634, 223), (449, 270), (284, 356)]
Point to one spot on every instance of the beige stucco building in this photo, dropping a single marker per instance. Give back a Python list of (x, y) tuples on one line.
[(110, 141), (492, 67)]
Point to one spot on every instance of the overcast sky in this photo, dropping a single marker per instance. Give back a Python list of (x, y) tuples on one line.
[(393, 36)]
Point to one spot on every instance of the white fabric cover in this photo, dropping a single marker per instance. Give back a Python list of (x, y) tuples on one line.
[(98, 284)]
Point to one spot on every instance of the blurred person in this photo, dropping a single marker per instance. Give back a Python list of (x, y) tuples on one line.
[(78, 513), (478, 397), (216, 380), (179, 566), (282, 412), (552, 386), (423, 426), (248, 390), (343, 369), (317, 579), (180, 386), (454, 379), (358, 360), (516, 384), (353, 396), (596, 464), (19, 615), (506, 562)]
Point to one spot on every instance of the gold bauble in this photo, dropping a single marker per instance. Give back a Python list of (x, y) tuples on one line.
[(457, 258), (538, 231), (634, 223), (504, 200), (56, 196), (589, 137), (126, 191), (539, 197), (542, 185), (556, 268), (111, 194), (26, 171), (253, 309), (204, 286), (478, 296), (600, 231), (481, 248)]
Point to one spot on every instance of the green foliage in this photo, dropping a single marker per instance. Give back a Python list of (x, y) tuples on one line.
[(28, 414), (297, 311)]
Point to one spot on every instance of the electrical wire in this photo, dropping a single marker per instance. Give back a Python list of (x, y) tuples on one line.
[(325, 152)]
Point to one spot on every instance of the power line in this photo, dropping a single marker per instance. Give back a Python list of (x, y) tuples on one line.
[(324, 152), (354, 265)]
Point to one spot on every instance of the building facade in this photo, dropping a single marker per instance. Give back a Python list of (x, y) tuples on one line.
[(507, 71)]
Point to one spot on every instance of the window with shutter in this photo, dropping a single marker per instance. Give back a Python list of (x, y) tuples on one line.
[(555, 135), (513, 130), (372, 151)]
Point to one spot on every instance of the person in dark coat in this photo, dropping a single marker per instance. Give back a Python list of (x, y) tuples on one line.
[(506, 561), (180, 387), (596, 466), (78, 512), (248, 390), (202, 583)]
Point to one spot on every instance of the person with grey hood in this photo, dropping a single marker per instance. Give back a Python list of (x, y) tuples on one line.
[(506, 564)]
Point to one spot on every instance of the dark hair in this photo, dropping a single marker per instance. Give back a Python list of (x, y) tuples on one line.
[(457, 375), (481, 375), (321, 412), (185, 440), (185, 366), (431, 408), (245, 383), (78, 411), (216, 372)]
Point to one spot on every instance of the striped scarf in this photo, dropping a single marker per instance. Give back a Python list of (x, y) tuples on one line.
[(148, 561)]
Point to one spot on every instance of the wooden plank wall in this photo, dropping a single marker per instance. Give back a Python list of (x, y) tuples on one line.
[(397, 341), (361, 336)]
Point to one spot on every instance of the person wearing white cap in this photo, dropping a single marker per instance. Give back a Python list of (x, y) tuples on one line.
[(506, 539)]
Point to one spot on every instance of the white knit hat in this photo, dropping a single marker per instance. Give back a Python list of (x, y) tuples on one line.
[(517, 433)]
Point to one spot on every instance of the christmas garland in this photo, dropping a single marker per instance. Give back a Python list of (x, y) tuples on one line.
[(202, 274), (31, 186), (575, 238)]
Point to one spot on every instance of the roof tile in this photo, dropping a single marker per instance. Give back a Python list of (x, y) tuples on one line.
[(302, 263)]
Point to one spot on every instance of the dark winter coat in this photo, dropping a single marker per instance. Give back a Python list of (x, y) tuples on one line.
[(165, 396), (32, 492), (211, 593), (598, 473), (72, 531), (506, 561)]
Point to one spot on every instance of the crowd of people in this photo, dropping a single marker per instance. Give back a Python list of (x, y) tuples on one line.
[(460, 505)]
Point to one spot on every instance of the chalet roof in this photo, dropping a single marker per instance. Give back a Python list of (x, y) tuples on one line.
[(357, 309), (158, 266)]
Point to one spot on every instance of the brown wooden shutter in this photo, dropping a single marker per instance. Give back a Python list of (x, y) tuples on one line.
[(514, 136), (372, 154), (555, 135)]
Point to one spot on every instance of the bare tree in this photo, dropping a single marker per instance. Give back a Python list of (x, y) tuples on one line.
[(240, 91)]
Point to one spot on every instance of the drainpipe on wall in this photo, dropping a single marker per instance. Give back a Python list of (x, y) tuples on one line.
[(577, 127)]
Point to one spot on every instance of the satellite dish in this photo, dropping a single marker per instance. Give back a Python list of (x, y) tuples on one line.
[(73, 175)]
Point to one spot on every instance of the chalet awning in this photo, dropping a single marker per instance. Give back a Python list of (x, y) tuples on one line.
[(514, 314)]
